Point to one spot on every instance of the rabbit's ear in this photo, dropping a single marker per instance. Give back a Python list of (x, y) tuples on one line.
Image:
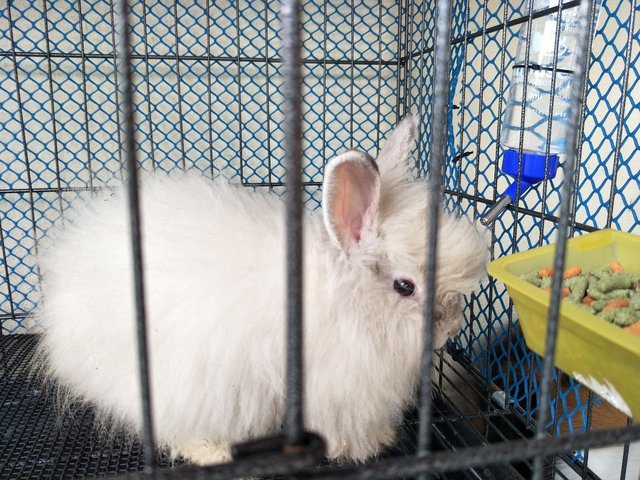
[(393, 159), (350, 198)]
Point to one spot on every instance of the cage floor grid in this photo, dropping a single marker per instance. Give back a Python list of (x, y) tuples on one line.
[(38, 442)]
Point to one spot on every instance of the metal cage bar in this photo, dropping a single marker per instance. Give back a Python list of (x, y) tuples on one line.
[(577, 88), (294, 422), (438, 141), (135, 224), (297, 460)]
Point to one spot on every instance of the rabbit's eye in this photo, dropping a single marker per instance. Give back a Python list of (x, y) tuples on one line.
[(404, 287)]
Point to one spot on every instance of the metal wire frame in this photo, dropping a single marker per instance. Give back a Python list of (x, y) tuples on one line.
[(440, 462), (128, 147), (543, 216), (577, 89), (438, 142), (294, 422)]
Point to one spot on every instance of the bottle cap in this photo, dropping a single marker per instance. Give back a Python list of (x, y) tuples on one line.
[(533, 165)]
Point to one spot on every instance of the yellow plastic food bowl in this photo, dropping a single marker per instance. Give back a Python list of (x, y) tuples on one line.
[(600, 355)]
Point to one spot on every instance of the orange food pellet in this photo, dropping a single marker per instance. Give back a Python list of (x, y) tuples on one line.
[(572, 272), (616, 267), (588, 300), (545, 272), (616, 303), (634, 328)]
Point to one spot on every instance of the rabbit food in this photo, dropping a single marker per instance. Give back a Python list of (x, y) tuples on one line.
[(610, 293)]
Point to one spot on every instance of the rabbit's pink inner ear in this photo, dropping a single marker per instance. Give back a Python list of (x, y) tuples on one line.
[(353, 202)]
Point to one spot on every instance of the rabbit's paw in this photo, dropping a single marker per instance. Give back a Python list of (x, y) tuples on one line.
[(205, 452)]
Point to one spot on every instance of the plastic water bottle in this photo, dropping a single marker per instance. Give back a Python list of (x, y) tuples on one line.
[(536, 165)]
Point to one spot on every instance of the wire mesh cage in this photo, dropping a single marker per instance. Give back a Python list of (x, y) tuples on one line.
[(208, 89)]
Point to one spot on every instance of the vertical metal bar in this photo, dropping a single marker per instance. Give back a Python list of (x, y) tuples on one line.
[(116, 83), (268, 92), (463, 93), (583, 107), (179, 84), (577, 89), (402, 25), (554, 75), (5, 265), (483, 66), (210, 93), (514, 236), (552, 88), (409, 60), (625, 452), (239, 95), (523, 113), (291, 42), (398, 57), (379, 83), (423, 35), (437, 144), (621, 115), (352, 71), (585, 462), (85, 102), (478, 149), (129, 152), (54, 126), (324, 82), (494, 238), (145, 24)]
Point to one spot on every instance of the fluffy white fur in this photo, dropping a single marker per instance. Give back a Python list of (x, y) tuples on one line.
[(214, 257)]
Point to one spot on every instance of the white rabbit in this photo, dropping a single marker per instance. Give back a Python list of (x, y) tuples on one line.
[(214, 257)]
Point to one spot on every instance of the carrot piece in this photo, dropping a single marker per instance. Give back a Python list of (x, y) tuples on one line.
[(545, 272), (633, 328), (588, 300), (616, 303), (572, 272), (616, 267)]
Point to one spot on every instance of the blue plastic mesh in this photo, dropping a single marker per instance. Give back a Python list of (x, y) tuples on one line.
[(208, 92), (607, 185)]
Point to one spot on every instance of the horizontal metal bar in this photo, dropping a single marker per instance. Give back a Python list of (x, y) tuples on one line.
[(454, 193), (441, 462), (16, 316), (9, 191), (444, 461), (527, 211), (195, 58), (496, 28)]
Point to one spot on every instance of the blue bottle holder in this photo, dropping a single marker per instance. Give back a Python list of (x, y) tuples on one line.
[(535, 167), (533, 170)]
